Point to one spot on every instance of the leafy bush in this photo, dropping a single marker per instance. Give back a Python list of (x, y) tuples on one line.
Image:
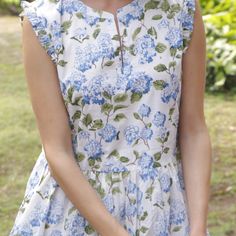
[(9, 7), (220, 23)]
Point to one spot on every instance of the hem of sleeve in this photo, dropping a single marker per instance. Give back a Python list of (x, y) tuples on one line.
[(40, 27), (189, 8)]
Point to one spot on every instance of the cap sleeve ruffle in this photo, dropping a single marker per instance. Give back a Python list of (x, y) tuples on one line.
[(187, 16), (45, 20)]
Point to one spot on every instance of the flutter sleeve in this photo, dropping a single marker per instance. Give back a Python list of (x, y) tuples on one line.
[(45, 18), (187, 21)]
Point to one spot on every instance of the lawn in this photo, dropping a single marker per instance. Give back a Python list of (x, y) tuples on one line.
[(20, 146)]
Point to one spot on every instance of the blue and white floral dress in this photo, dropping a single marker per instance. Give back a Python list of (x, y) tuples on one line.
[(121, 85)]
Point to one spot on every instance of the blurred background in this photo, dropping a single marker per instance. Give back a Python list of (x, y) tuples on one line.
[(19, 138)]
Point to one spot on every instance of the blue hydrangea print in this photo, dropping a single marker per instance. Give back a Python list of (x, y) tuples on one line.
[(120, 83)]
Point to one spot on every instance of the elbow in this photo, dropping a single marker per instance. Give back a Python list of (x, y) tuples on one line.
[(53, 153), (193, 127)]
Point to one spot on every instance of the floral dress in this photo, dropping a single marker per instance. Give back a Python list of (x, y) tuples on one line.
[(120, 79)]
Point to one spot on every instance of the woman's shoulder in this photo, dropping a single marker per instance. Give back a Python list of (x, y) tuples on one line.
[(45, 18), (49, 9)]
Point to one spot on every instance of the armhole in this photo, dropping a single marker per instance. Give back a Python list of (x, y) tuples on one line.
[(42, 27), (188, 13)]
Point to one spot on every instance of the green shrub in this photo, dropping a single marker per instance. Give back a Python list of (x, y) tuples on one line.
[(220, 23), (9, 7)]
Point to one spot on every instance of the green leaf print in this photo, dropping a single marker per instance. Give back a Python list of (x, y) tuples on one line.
[(89, 229), (62, 63), (53, 1), (173, 51), (157, 17), (152, 31), (136, 142), (143, 229), (151, 5), (176, 228), (119, 117), (87, 120), (167, 136), (76, 116), (135, 97), (77, 100), (118, 107), (106, 95), (157, 156), (42, 32), (72, 209), (136, 154), (150, 190), (97, 124), (159, 84), (114, 153), (175, 8), (65, 26), (160, 47), (115, 180), (79, 15), (107, 107), (171, 111), (101, 191), (136, 32), (120, 97), (137, 116), (125, 174), (131, 49), (70, 92), (156, 164), (47, 226), (132, 201), (96, 32), (108, 177), (102, 19), (79, 129), (91, 162), (172, 64), (143, 217), (116, 37), (165, 6), (80, 156), (116, 190), (166, 150), (108, 63), (160, 68), (171, 15), (124, 159), (92, 182)]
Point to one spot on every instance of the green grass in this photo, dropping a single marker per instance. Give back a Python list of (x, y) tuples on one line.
[(20, 145)]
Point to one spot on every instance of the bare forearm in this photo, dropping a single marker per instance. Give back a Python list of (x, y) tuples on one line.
[(196, 158), (81, 194)]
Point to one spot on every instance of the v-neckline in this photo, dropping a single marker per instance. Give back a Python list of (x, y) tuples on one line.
[(106, 13)]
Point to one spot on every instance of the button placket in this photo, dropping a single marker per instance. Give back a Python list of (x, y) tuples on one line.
[(120, 35)]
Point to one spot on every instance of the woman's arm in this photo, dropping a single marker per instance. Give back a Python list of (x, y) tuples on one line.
[(195, 144), (55, 134)]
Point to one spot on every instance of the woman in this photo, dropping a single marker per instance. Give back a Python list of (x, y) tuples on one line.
[(105, 80)]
